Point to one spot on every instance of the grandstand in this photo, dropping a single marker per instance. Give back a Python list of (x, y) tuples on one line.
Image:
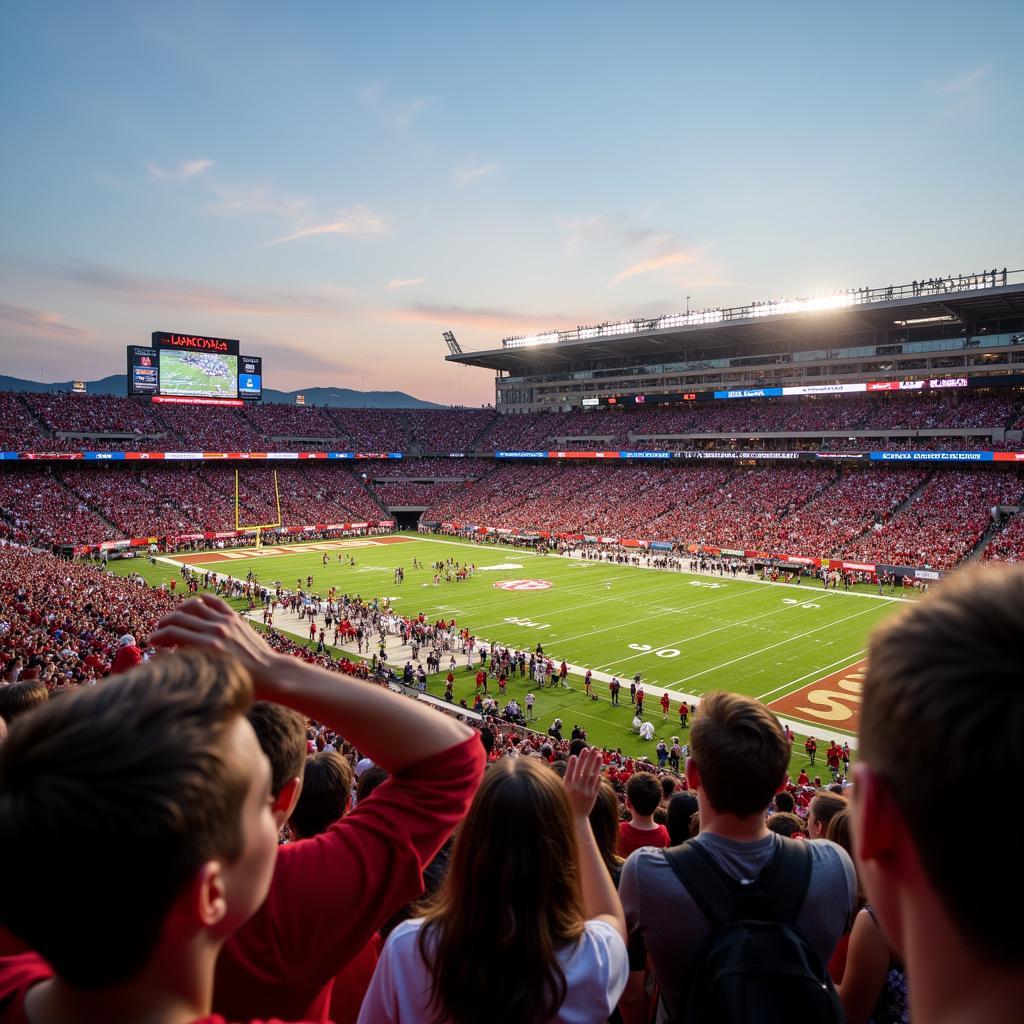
[(878, 426)]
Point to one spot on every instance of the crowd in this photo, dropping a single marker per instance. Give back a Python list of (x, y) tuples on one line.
[(862, 514), (168, 782), (1007, 545), (942, 523), (41, 422), (900, 515)]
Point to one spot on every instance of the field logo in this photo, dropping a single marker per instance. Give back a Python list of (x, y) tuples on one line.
[(833, 700), (523, 585)]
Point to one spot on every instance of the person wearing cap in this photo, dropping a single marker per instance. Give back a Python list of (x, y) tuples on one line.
[(128, 655)]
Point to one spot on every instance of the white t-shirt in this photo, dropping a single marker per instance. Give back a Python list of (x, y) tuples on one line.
[(596, 969)]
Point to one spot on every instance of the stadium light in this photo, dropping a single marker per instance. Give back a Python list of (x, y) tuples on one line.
[(925, 320), (550, 338)]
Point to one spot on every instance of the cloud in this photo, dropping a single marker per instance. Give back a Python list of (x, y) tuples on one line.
[(667, 259), (957, 94), (238, 199), (169, 293), (616, 230), (958, 84), (408, 111), (354, 220), (468, 171), (391, 109), (404, 282), (186, 169), (23, 321), (496, 321)]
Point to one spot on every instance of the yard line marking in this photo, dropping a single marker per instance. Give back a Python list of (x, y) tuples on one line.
[(817, 671), (718, 629), (754, 654)]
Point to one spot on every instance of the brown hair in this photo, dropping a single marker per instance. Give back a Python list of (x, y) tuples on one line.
[(825, 806), (786, 824), (110, 800), (21, 697), (741, 752), (604, 823), (943, 692), (512, 895), (282, 735), (643, 793), (326, 785)]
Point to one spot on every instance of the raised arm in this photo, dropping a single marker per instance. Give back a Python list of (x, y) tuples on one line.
[(392, 730), (582, 781)]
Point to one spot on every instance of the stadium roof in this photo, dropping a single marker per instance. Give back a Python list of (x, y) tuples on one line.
[(787, 324)]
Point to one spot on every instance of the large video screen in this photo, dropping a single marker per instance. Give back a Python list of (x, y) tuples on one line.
[(198, 374), (192, 366)]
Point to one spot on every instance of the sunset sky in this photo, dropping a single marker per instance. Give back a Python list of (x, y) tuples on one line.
[(336, 184)]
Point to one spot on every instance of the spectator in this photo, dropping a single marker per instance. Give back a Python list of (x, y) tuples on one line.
[(128, 655), (824, 806), (681, 809), (330, 894), (785, 823), (18, 698), (942, 690), (326, 786), (643, 795), (553, 951), (739, 759), (153, 785)]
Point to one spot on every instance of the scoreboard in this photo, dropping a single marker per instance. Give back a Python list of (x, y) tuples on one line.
[(193, 366)]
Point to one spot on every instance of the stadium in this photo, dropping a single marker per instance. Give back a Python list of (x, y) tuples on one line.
[(643, 500), (509, 516), (724, 500)]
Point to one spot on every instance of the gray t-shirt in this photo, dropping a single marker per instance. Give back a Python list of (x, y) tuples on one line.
[(663, 920)]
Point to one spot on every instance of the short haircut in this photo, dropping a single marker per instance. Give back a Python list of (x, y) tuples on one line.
[(668, 787), (110, 800), (786, 824), (825, 806), (741, 752), (326, 785), (784, 802), (943, 691), (643, 793), (282, 735), (18, 698)]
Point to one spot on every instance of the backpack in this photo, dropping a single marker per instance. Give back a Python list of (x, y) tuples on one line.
[(755, 966)]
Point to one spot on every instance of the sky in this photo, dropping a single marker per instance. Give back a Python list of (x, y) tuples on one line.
[(336, 184)]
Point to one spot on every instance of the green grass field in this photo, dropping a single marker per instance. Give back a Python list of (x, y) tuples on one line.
[(687, 633)]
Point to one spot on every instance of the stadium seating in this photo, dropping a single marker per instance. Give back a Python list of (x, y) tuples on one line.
[(1007, 545)]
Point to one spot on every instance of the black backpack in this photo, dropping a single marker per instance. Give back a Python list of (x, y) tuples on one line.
[(755, 966)]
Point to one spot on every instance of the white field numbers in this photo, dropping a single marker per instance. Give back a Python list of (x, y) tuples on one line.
[(513, 620), (661, 652)]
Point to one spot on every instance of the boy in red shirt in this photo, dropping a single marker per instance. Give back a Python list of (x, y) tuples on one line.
[(643, 794), (193, 838)]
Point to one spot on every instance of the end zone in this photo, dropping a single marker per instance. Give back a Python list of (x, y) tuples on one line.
[(272, 551), (833, 700)]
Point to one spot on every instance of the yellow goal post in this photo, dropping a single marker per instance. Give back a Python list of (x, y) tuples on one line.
[(258, 527)]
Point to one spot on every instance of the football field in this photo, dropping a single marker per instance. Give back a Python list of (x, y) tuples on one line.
[(796, 647)]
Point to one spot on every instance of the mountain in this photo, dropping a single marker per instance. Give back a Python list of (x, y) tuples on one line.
[(343, 398)]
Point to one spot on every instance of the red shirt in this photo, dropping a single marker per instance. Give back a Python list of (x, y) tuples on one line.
[(127, 657), (18, 974), (631, 838), (331, 893)]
